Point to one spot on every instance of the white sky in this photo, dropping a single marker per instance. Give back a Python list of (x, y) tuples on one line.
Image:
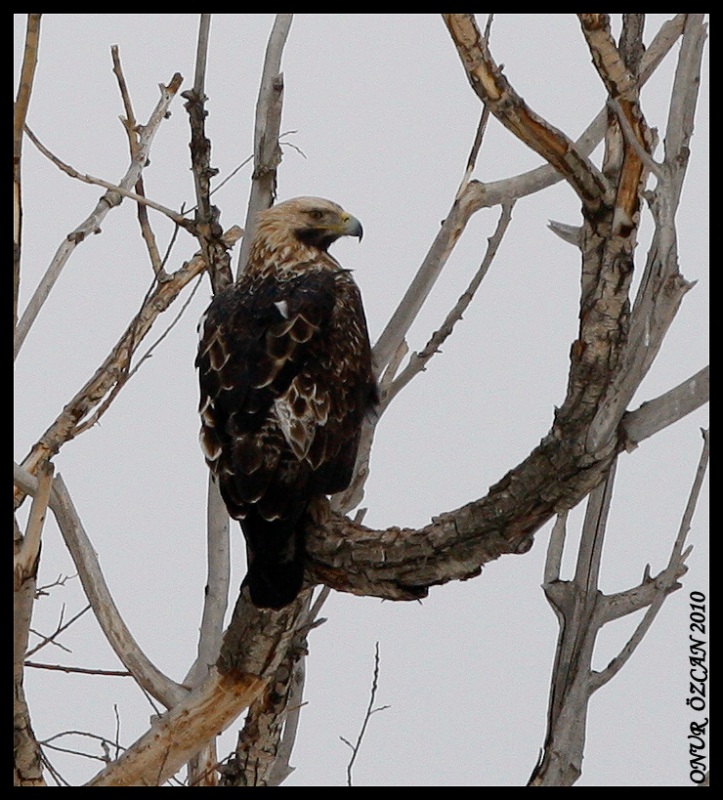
[(385, 118)]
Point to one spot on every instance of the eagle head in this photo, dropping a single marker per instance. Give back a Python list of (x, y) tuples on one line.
[(313, 221)]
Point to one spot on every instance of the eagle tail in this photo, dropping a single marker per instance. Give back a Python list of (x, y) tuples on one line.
[(275, 551)]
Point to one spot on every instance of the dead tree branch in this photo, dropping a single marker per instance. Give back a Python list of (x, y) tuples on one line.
[(61, 627), (254, 646), (267, 151), (207, 228), (98, 593), (582, 611), (484, 195), (370, 710), (494, 90), (92, 223), (431, 267), (22, 103), (26, 560), (111, 372), (418, 361), (131, 128), (654, 415), (141, 199)]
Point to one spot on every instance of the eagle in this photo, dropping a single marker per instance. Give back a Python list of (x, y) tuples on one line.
[(286, 380)]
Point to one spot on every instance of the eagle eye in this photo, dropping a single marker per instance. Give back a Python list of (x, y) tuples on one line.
[(316, 213)]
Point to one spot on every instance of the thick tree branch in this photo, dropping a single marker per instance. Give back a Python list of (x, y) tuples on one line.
[(484, 195), (254, 647), (175, 737), (258, 759), (654, 415), (493, 89), (207, 228)]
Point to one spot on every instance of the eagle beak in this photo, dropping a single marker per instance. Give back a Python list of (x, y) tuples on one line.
[(352, 227)]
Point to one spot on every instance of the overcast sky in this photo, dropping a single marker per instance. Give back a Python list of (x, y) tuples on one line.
[(382, 119)]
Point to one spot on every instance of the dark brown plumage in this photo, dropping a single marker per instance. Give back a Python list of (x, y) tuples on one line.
[(286, 379)]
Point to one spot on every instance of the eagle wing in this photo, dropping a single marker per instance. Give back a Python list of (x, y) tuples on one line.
[(285, 377)]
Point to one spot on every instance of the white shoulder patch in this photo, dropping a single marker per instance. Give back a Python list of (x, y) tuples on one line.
[(283, 308)]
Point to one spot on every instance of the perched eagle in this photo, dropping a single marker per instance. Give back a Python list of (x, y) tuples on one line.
[(286, 379)]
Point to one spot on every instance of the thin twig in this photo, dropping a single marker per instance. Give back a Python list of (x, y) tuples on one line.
[(130, 126), (418, 361), (474, 151), (165, 333), (61, 580), (129, 123), (231, 174), (112, 187), (118, 748), (102, 739), (370, 710), (116, 673), (62, 626), (431, 267)]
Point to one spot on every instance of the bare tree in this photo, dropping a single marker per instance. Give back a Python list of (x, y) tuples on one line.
[(256, 665)]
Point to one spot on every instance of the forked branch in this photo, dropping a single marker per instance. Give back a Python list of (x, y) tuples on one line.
[(582, 611), (92, 223), (115, 367)]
